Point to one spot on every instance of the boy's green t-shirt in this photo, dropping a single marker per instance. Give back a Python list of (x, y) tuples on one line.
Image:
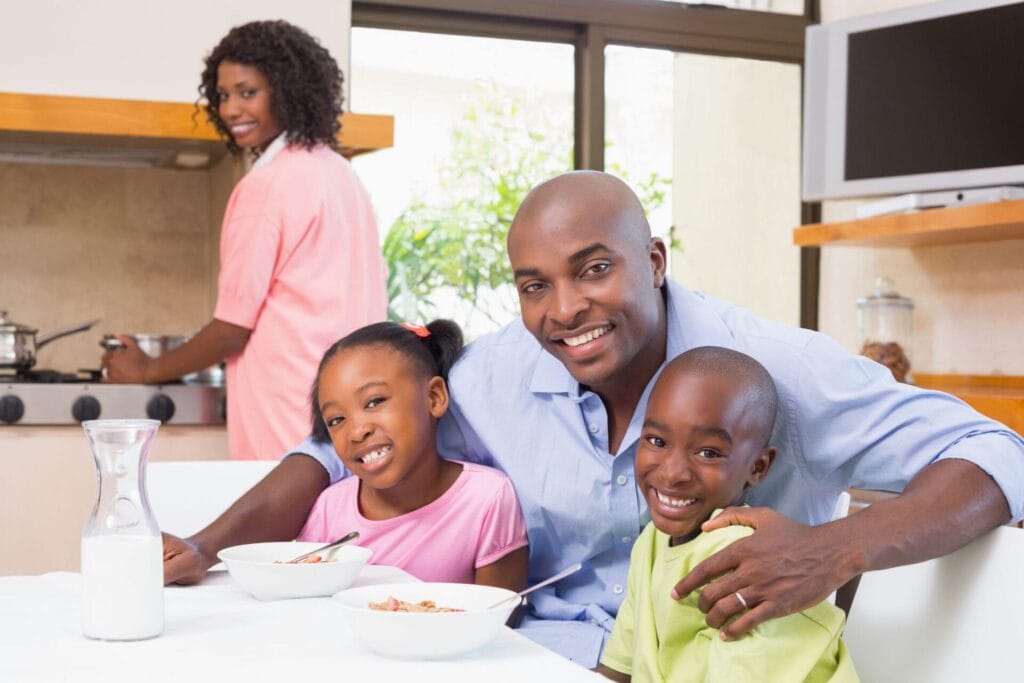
[(656, 638)]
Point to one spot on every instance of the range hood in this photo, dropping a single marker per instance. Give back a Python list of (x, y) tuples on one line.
[(140, 133)]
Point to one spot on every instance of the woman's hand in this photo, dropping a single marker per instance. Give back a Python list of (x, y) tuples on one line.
[(127, 365), (184, 562)]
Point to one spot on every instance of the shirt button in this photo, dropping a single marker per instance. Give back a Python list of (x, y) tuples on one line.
[(617, 588), (627, 539), (593, 429), (622, 480)]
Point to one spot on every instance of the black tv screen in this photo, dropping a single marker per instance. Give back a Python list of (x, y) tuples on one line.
[(945, 94)]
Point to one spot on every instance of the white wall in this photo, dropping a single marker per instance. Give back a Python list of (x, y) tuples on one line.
[(736, 181), (969, 299), (140, 49)]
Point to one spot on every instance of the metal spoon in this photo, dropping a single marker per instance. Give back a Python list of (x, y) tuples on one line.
[(557, 577), (328, 550)]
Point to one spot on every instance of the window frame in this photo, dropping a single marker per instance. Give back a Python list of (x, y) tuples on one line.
[(590, 26)]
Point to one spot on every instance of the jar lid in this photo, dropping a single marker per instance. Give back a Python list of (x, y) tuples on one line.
[(8, 326), (885, 295)]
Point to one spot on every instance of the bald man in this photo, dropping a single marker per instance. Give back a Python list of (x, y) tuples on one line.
[(556, 400)]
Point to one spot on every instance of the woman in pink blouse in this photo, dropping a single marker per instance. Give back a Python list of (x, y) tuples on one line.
[(300, 262)]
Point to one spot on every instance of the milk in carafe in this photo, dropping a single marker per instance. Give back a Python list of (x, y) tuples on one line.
[(122, 552)]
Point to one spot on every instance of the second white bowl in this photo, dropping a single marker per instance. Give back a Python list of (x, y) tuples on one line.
[(427, 635)]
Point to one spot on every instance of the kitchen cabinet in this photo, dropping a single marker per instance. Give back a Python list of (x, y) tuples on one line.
[(146, 132), (997, 396)]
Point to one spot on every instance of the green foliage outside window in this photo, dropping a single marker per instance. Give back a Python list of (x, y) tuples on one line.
[(502, 147)]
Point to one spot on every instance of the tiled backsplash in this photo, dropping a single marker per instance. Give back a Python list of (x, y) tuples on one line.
[(134, 247)]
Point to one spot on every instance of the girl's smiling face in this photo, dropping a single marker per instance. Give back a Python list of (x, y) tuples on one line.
[(381, 414), (699, 450), (245, 105)]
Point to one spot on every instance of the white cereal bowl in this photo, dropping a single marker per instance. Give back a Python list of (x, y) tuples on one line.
[(426, 635), (260, 570)]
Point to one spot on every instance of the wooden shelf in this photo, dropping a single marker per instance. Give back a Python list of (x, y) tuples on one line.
[(34, 120), (957, 225), (1000, 397)]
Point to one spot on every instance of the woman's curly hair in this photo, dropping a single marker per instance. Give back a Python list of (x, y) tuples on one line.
[(305, 81)]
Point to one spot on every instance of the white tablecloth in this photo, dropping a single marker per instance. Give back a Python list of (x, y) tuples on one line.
[(216, 632)]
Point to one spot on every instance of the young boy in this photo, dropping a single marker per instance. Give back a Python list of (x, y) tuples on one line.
[(705, 441)]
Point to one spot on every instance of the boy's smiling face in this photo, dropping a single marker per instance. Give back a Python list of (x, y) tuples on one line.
[(702, 445)]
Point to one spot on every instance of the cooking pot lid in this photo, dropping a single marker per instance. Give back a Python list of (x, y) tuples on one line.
[(8, 326)]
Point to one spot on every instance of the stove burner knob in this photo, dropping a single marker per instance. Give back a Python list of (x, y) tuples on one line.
[(85, 408), (11, 409), (160, 407)]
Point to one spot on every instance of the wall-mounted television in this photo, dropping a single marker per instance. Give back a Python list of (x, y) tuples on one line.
[(925, 98)]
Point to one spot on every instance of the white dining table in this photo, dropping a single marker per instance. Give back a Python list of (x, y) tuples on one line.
[(214, 631)]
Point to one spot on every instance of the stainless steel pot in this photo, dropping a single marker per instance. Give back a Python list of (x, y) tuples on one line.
[(157, 344), (18, 343)]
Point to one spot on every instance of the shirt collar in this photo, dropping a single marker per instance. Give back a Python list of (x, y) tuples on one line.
[(693, 321), (279, 143), (551, 377)]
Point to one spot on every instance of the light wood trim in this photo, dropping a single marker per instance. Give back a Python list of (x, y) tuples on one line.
[(1000, 397), (162, 120), (972, 382), (957, 225), (361, 133), (94, 116)]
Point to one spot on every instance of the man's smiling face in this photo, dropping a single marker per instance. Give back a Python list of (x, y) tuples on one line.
[(588, 275)]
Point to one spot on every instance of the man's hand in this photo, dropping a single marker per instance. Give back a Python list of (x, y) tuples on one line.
[(184, 563), (782, 568)]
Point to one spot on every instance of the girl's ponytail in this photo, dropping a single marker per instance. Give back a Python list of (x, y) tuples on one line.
[(445, 344)]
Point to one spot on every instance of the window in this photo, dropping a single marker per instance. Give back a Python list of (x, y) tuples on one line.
[(490, 96), (478, 122)]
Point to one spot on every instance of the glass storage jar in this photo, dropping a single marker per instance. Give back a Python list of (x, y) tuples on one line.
[(886, 329)]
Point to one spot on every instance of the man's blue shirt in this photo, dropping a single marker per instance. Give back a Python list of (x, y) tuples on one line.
[(843, 422)]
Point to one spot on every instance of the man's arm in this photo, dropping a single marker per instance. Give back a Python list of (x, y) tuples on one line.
[(785, 566), (612, 674), (273, 510)]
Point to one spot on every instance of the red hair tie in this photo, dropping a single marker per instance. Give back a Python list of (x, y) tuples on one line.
[(419, 330)]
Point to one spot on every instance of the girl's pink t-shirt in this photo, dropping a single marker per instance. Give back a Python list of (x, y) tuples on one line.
[(300, 266), (474, 523)]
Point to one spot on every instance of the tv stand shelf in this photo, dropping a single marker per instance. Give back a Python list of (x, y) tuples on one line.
[(957, 225)]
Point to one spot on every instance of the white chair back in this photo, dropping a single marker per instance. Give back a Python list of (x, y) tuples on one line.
[(842, 506), (955, 618), (188, 495)]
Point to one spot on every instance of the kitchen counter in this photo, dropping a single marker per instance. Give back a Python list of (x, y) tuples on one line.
[(50, 488)]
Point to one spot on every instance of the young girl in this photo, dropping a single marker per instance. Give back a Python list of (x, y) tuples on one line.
[(378, 396), (299, 239)]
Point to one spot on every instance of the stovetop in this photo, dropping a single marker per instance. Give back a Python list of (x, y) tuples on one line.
[(51, 397), (47, 376)]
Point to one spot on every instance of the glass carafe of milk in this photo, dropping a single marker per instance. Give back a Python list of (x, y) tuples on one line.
[(122, 554)]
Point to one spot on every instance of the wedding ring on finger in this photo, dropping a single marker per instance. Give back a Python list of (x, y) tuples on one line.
[(742, 601)]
